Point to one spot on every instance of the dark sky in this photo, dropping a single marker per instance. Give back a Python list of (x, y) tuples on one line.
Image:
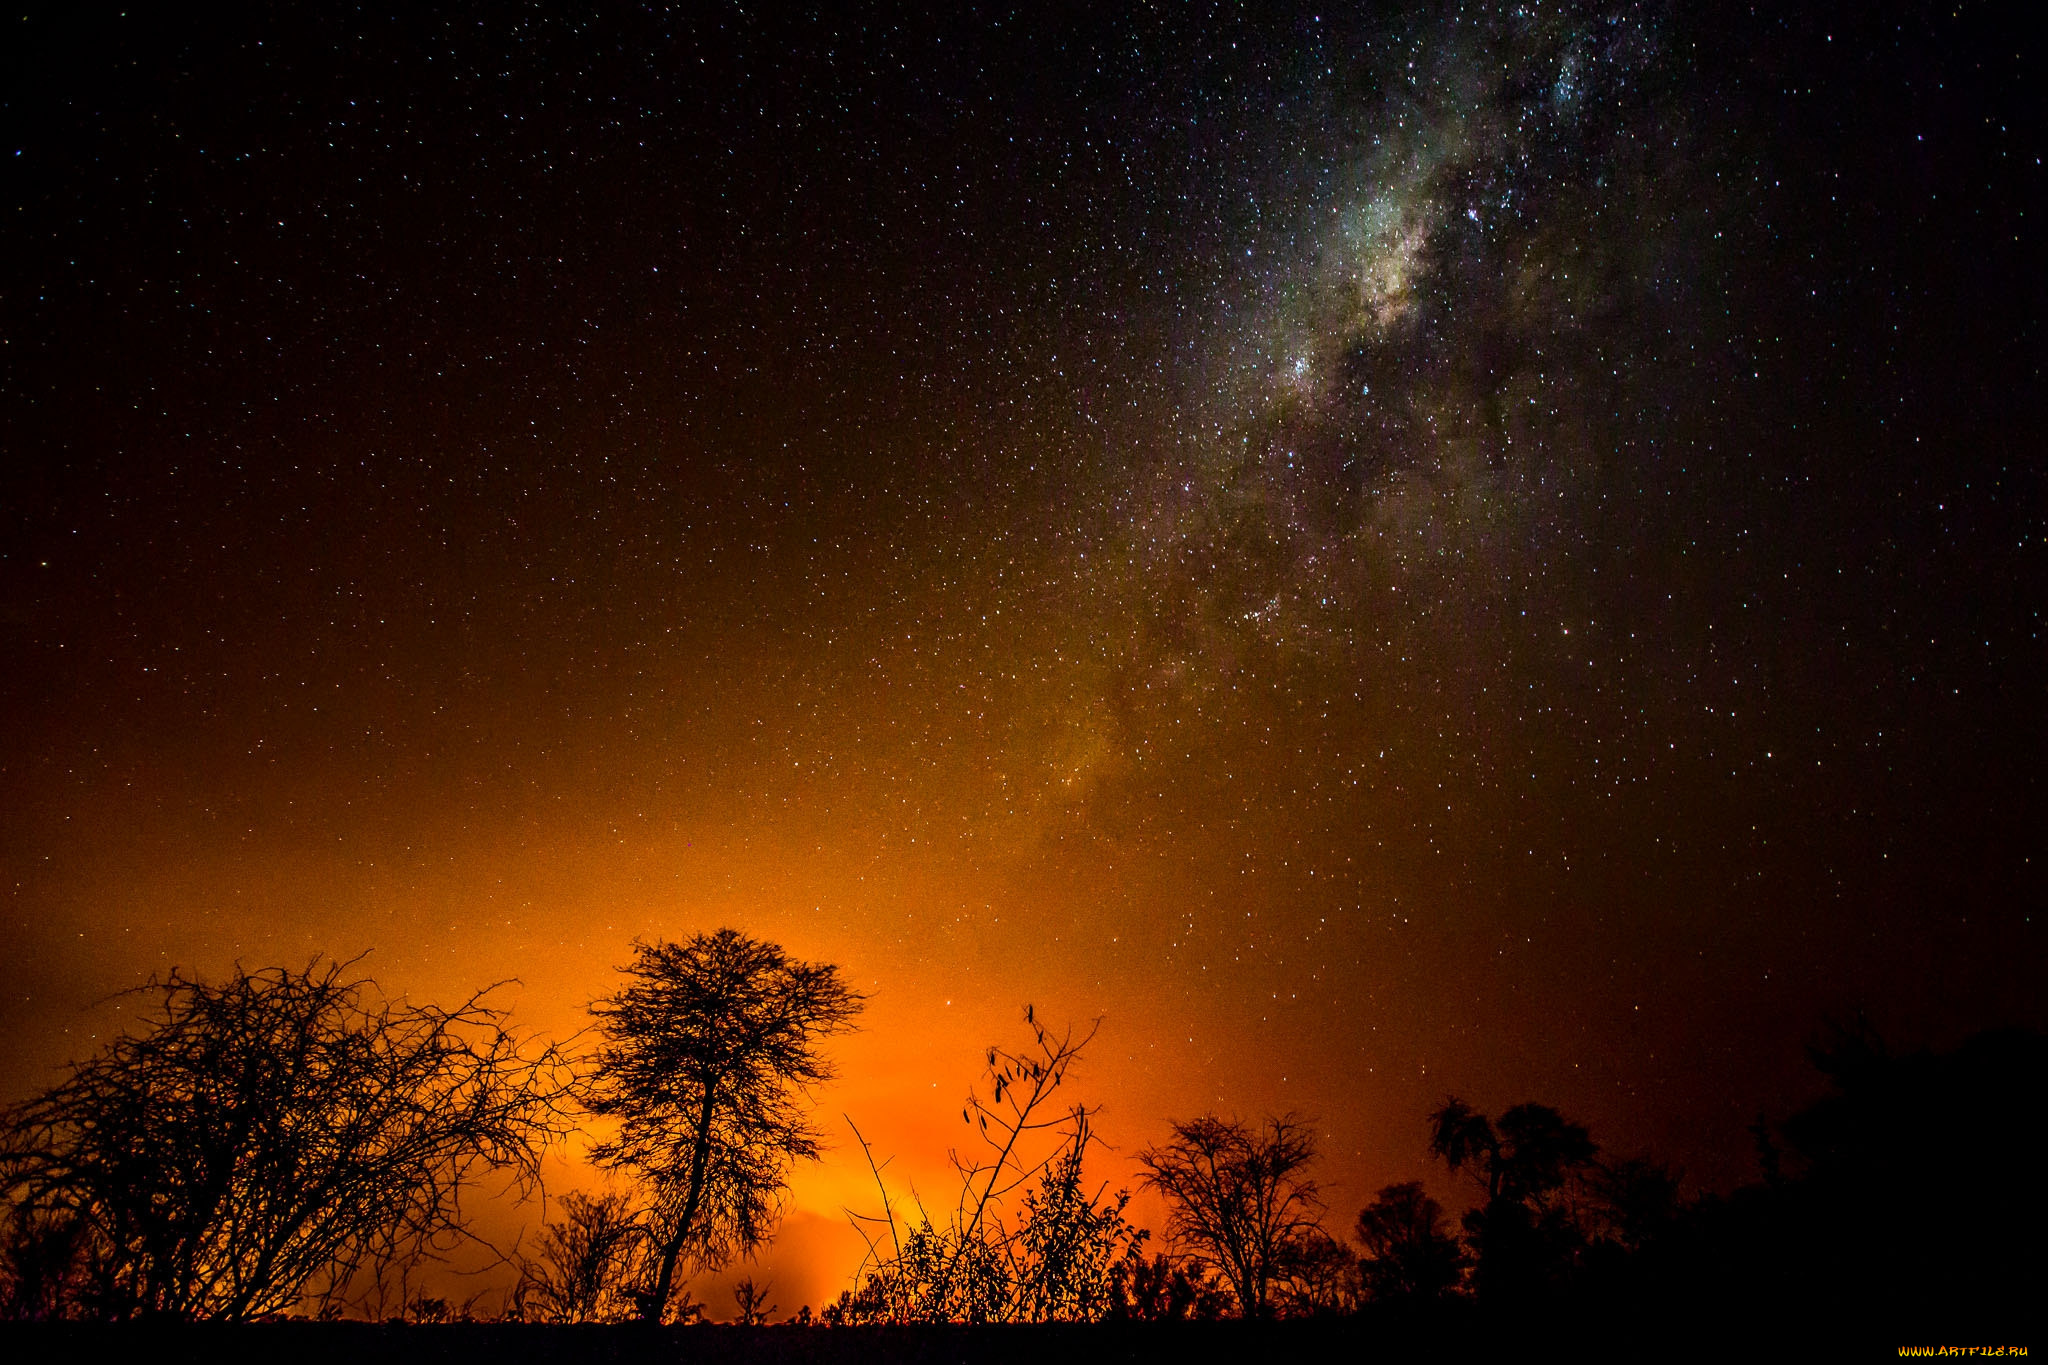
[(1386, 550)]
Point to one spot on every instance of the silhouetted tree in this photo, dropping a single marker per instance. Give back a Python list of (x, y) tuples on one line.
[(1316, 1276), (752, 1303), (589, 1260), (705, 1055), (263, 1140), (1410, 1254), (1058, 1262), (1527, 1157), (1901, 1200), (1235, 1197), (1525, 1235)]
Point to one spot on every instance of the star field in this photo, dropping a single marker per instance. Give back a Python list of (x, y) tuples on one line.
[(1383, 549)]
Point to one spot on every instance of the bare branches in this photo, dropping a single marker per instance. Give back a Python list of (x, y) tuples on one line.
[(265, 1140), (1020, 1085)]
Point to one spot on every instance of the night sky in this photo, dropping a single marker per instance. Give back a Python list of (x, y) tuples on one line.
[(1384, 549)]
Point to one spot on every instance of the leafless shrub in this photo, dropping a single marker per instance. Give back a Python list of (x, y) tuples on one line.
[(273, 1142)]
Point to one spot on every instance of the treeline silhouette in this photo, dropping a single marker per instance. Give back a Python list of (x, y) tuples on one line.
[(288, 1144)]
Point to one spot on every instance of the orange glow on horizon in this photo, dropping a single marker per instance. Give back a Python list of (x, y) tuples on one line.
[(1491, 551)]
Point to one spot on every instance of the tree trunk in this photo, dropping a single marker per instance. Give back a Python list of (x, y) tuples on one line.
[(672, 1250)]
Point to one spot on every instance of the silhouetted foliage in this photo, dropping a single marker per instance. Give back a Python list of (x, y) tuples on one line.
[(290, 1142), (752, 1304), (1166, 1289), (1891, 1202), (258, 1143), (1526, 1158), (43, 1264), (1316, 1275), (1071, 1242), (428, 1309), (1525, 1236), (1410, 1254), (1236, 1197), (1903, 1195), (1060, 1262), (590, 1259), (706, 1053)]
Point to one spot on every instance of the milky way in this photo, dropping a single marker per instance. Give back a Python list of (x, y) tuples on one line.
[(1476, 257), (1383, 550), (1442, 374)]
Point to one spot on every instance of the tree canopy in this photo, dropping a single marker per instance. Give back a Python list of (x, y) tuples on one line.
[(707, 1053), (1410, 1255), (1238, 1198)]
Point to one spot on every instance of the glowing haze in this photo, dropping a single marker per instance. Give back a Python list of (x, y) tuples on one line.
[(1419, 549)]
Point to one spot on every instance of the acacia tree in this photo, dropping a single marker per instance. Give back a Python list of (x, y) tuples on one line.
[(706, 1053), (1238, 1199), (265, 1140)]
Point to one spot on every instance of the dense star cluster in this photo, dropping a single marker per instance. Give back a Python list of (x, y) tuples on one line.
[(1450, 339), (1382, 548)]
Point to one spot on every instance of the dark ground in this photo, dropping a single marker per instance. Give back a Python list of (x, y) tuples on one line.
[(1302, 1342)]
